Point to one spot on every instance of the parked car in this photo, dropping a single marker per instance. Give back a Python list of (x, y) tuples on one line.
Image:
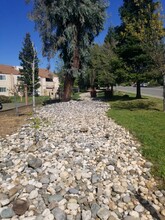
[(1, 106), (141, 85), (144, 84)]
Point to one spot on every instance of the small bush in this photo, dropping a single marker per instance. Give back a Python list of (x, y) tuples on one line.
[(131, 105), (5, 99), (153, 83)]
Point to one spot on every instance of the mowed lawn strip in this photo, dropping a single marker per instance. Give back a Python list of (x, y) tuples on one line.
[(146, 121)]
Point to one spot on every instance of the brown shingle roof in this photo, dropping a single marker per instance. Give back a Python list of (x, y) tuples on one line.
[(6, 69), (44, 73)]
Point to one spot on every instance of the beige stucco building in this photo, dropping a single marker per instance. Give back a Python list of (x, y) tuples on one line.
[(49, 82)]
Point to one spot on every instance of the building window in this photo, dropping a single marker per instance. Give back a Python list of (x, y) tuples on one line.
[(2, 77), (2, 89), (49, 80)]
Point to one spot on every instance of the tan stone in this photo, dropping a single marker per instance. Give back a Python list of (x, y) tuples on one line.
[(14, 190)]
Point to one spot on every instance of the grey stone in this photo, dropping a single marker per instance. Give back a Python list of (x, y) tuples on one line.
[(103, 213), (34, 162), (39, 217), (139, 208), (158, 193), (56, 198), (58, 189), (2, 165), (131, 188), (78, 216), (94, 209), (86, 215), (131, 218), (3, 196), (29, 188), (9, 163), (4, 200), (112, 162), (111, 217), (148, 164), (33, 194), (73, 191), (70, 217), (59, 214), (41, 204), (7, 213), (126, 199), (45, 180), (95, 178), (162, 199), (119, 189), (111, 168)]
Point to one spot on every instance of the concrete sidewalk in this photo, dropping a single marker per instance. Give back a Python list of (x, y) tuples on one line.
[(9, 106)]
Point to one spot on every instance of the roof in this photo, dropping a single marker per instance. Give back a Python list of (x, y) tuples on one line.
[(43, 73), (6, 69)]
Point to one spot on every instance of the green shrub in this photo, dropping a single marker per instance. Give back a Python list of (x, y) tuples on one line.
[(5, 99), (153, 83), (136, 104)]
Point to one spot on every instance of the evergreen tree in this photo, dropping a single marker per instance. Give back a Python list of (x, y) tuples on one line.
[(70, 27), (149, 30), (137, 61), (139, 18), (94, 65), (111, 37), (27, 56), (117, 68)]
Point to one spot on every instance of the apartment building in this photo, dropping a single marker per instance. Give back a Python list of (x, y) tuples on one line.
[(49, 82)]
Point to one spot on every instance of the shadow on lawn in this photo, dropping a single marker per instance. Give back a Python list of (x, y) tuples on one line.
[(126, 102)]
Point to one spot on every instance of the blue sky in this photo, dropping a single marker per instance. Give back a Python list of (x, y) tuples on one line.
[(15, 24)]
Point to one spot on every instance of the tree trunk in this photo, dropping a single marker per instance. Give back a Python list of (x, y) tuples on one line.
[(69, 79), (76, 59), (93, 92), (164, 92), (68, 85), (138, 90), (112, 91)]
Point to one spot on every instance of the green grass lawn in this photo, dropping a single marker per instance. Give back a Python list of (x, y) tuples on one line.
[(146, 121), (38, 99)]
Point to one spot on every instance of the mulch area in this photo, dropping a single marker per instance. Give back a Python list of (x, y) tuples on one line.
[(10, 122)]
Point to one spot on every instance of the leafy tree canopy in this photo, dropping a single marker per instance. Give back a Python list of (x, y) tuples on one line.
[(142, 19), (69, 26)]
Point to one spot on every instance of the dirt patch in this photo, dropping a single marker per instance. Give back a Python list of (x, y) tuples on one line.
[(10, 123)]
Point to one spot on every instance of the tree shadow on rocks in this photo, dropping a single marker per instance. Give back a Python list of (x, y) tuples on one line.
[(148, 206)]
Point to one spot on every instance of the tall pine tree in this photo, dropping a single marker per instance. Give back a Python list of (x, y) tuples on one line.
[(27, 56), (148, 27), (69, 27), (140, 20)]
